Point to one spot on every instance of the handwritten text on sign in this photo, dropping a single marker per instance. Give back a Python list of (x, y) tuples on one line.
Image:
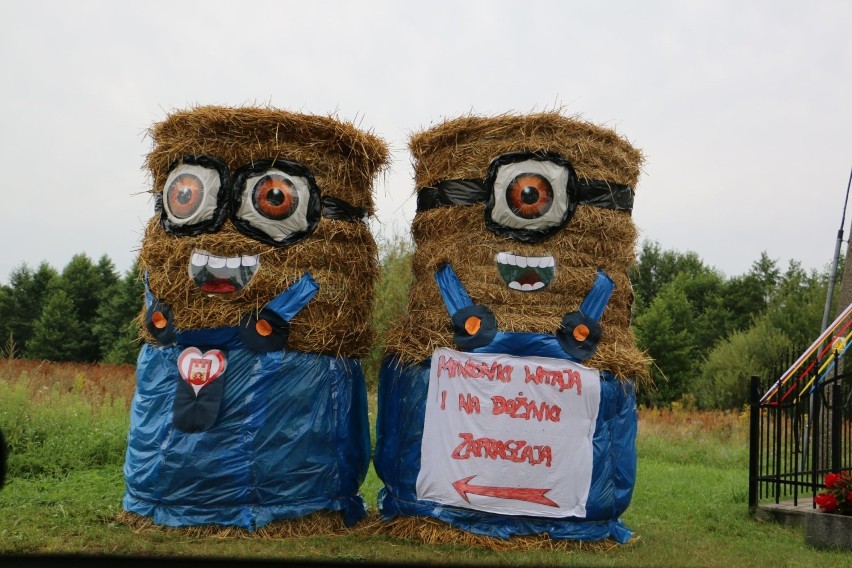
[(509, 435)]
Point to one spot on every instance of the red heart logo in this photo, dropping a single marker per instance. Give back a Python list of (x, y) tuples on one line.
[(200, 369)]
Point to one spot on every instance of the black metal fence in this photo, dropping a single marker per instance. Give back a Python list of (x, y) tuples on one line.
[(799, 431)]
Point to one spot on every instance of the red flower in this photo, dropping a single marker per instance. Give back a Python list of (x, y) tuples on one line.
[(826, 501), (832, 479), (849, 497)]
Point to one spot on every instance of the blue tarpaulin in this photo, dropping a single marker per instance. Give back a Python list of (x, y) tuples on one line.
[(291, 437), (402, 407)]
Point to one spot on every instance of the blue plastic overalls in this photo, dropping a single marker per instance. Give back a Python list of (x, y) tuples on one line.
[(286, 433), (402, 406)]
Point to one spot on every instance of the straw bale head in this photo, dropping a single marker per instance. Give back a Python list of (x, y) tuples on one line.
[(251, 199), (525, 209)]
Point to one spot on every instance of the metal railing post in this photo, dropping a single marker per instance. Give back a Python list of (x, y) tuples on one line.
[(814, 419), (836, 422), (753, 443)]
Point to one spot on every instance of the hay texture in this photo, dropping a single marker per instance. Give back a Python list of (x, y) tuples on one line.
[(340, 255), (321, 523), (595, 237), (418, 529), (431, 532)]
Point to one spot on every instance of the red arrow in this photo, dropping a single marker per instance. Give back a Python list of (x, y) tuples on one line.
[(516, 493)]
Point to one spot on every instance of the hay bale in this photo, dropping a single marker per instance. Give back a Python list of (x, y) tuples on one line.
[(340, 255), (343, 159), (463, 147), (431, 532), (321, 523), (330, 524), (594, 238)]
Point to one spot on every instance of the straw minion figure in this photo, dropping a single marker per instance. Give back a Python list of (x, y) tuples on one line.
[(250, 403), (507, 393)]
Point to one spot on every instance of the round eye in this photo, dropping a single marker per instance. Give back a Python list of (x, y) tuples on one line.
[(184, 195), (529, 195), (532, 195), (276, 201), (275, 197), (191, 196)]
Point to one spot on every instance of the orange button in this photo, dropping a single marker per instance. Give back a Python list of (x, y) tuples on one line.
[(472, 325), (263, 328), (159, 320), (581, 332)]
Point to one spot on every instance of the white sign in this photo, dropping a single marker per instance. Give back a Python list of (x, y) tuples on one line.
[(509, 435)]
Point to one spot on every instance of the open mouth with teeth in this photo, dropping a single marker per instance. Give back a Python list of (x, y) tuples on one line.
[(221, 274), (525, 273)]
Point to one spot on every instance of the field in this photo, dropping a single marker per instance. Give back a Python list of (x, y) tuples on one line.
[(66, 426)]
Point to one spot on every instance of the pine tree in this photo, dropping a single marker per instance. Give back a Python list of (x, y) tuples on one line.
[(83, 283), (22, 300), (56, 332), (116, 327)]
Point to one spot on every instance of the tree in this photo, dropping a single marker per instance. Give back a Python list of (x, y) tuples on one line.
[(654, 268), (83, 283), (665, 331), (108, 275), (116, 326), (56, 332), (22, 300), (765, 272), (744, 299), (711, 321), (797, 306)]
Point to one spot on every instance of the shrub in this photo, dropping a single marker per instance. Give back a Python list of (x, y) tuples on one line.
[(724, 378)]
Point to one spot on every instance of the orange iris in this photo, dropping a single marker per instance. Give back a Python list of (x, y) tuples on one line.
[(529, 195), (275, 197), (185, 195)]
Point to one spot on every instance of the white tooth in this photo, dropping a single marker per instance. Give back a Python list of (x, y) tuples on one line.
[(533, 261), (249, 260), (522, 261), (501, 257), (216, 262), (538, 286), (514, 285), (547, 262), (510, 259), (199, 259), (232, 262), (526, 287)]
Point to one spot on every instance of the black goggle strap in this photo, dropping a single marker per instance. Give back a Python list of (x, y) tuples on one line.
[(474, 325), (454, 192), (334, 208), (580, 331)]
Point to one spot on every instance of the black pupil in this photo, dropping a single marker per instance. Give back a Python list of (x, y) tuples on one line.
[(184, 195), (529, 195), (275, 197)]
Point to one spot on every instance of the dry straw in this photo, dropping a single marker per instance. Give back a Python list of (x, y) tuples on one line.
[(343, 159), (595, 237), (341, 256), (329, 525)]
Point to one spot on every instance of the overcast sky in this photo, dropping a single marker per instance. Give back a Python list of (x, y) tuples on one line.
[(742, 109)]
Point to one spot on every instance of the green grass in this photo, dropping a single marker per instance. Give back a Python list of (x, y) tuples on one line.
[(689, 506), (50, 432)]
